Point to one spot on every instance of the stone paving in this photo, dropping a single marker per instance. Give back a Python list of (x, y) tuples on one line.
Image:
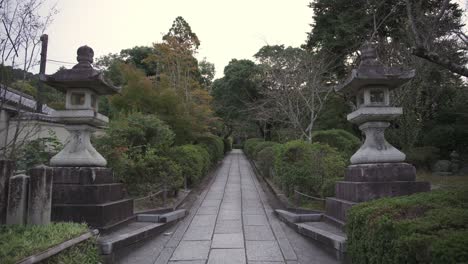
[(231, 222)]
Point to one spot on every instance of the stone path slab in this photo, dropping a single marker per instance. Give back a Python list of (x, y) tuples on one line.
[(232, 222)]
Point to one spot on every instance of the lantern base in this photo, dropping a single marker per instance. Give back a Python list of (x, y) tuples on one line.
[(78, 150), (376, 149)]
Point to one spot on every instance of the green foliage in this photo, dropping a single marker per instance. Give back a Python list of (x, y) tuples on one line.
[(214, 145), (345, 142), (84, 253), (428, 227), (260, 146), (266, 159), (227, 144), (233, 93), (193, 160), (249, 146), (153, 168), (38, 151), (306, 166), (20, 241), (422, 157), (131, 142)]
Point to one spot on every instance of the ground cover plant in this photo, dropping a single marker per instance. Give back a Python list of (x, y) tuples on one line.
[(18, 242), (427, 227)]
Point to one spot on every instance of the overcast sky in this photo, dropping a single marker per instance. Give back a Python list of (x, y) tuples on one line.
[(227, 29)]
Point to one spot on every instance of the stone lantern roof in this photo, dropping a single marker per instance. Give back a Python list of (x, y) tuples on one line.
[(371, 72), (82, 75)]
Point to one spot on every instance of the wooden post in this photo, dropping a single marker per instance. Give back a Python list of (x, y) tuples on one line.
[(42, 68)]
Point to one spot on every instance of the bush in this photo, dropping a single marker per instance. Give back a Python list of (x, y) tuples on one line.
[(193, 161), (422, 157), (250, 144), (260, 146), (156, 169), (345, 142), (38, 151), (427, 227), (214, 145), (266, 159), (306, 166), (227, 144), (126, 144)]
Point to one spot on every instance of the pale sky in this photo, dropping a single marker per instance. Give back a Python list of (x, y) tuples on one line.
[(227, 29)]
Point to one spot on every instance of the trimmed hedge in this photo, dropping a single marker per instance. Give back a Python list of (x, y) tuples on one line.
[(214, 145), (345, 142), (227, 144), (250, 145), (306, 166), (266, 159), (193, 160), (260, 146), (422, 228)]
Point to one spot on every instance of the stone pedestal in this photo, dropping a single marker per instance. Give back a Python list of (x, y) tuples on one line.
[(6, 170), (89, 194), (40, 195), (17, 210), (365, 182)]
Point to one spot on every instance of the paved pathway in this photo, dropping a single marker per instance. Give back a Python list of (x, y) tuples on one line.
[(231, 222)]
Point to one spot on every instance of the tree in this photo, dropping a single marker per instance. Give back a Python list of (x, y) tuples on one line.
[(166, 80), (234, 92), (22, 25), (441, 27), (294, 88), (340, 27)]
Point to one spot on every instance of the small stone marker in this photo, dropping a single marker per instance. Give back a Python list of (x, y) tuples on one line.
[(40, 195), (17, 206), (6, 170)]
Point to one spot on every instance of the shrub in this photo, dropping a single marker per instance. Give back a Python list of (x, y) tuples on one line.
[(157, 169), (260, 146), (427, 227), (249, 146), (345, 142), (306, 166), (38, 151), (129, 143), (422, 157), (193, 161), (227, 144), (266, 159), (214, 145)]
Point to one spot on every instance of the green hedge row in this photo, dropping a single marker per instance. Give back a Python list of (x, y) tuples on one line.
[(422, 228), (309, 167), (140, 148)]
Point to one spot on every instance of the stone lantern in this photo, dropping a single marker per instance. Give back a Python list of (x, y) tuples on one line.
[(82, 85), (370, 85), (83, 188), (377, 169)]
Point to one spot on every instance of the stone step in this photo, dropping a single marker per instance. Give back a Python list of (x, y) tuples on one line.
[(333, 221), (101, 216), (146, 226), (325, 233), (87, 194), (298, 217), (366, 191), (128, 234)]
